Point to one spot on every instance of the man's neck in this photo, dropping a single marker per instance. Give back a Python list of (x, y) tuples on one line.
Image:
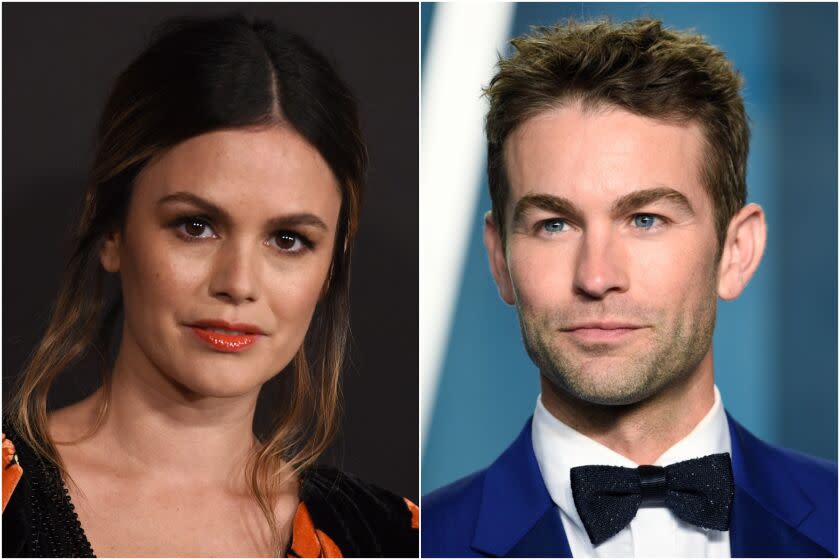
[(643, 431)]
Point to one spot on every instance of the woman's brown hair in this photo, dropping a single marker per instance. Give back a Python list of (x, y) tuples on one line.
[(197, 76)]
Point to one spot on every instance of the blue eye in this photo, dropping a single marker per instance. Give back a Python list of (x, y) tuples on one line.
[(554, 226), (645, 221)]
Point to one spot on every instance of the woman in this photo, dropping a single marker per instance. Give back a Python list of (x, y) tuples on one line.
[(223, 201)]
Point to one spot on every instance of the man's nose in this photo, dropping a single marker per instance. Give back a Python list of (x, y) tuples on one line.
[(234, 277), (601, 265)]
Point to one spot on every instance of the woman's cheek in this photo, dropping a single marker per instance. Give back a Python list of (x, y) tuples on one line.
[(294, 293)]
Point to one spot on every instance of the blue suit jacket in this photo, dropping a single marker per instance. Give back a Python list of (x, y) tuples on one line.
[(785, 505)]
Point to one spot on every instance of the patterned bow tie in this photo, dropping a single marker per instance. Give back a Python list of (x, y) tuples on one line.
[(698, 491)]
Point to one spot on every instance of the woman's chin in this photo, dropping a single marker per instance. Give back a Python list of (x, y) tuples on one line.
[(220, 383)]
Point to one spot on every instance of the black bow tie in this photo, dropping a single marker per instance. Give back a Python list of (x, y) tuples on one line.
[(698, 491)]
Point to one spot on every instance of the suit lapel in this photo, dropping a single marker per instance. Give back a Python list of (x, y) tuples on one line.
[(547, 539), (516, 516), (758, 533), (768, 505)]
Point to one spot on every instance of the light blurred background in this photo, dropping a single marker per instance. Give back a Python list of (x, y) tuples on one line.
[(775, 347)]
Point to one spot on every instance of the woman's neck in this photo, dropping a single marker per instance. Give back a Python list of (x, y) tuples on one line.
[(156, 428), (175, 449)]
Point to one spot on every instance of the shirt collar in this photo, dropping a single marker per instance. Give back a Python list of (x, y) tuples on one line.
[(559, 448)]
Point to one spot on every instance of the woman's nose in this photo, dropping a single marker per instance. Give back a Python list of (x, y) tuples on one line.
[(235, 273)]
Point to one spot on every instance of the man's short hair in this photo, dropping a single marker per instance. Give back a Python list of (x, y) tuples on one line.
[(637, 66)]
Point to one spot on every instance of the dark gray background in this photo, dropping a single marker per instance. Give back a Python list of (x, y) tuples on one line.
[(59, 62)]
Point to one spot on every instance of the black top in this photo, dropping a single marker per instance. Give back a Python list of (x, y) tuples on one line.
[(362, 520)]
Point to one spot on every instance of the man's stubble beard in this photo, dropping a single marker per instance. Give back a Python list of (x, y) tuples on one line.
[(674, 352)]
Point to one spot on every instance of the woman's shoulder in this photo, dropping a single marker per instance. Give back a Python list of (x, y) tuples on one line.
[(350, 517), (38, 517), (18, 487)]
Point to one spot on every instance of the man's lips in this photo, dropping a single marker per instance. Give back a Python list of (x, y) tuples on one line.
[(603, 325), (602, 331)]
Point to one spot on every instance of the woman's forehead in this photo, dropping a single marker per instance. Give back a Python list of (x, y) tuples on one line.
[(256, 170)]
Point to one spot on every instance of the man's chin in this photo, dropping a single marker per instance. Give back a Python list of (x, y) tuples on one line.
[(609, 399), (602, 389)]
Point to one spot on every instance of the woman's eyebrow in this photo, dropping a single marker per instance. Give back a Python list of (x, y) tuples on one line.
[(212, 210), (219, 214), (296, 220)]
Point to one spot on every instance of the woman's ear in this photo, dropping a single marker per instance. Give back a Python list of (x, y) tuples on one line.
[(109, 254), (742, 251), (326, 287)]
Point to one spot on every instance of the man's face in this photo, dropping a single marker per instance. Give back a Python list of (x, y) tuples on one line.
[(611, 251)]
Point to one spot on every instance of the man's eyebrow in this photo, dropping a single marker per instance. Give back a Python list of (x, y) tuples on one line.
[(547, 202), (215, 212), (638, 199)]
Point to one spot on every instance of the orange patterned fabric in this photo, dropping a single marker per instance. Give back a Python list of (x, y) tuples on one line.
[(11, 470), (309, 542), (415, 513)]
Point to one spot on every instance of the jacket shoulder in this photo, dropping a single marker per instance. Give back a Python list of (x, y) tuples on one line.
[(361, 518), (815, 478), (449, 517)]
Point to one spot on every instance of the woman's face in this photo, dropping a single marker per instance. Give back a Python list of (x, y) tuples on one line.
[(224, 254)]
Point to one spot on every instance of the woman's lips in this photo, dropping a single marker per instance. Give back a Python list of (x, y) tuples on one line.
[(225, 337)]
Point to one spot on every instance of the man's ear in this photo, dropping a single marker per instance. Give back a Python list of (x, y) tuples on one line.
[(109, 254), (497, 259), (742, 250)]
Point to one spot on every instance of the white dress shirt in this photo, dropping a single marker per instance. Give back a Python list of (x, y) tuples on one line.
[(655, 531)]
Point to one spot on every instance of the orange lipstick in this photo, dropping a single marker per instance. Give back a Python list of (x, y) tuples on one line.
[(226, 337)]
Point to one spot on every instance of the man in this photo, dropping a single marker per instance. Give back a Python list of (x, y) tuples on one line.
[(617, 168)]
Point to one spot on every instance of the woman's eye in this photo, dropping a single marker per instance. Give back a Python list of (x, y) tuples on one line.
[(553, 226), (646, 221), (289, 242), (195, 228)]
